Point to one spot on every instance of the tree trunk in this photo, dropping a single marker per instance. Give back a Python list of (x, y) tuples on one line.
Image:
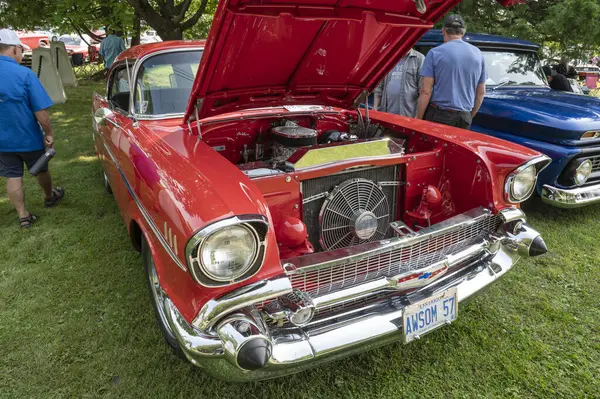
[(173, 33), (137, 30), (168, 20)]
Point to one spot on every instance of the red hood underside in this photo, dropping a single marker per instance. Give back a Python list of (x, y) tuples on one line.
[(265, 53)]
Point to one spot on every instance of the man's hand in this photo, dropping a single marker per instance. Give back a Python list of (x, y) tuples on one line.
[(44, 119), (49, 141), (479, 94)]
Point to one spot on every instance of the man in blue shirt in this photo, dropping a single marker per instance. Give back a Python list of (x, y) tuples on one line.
[(23, 109), (453, 79), (110, 48)]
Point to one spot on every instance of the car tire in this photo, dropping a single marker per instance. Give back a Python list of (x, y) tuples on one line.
[(157, 297), (107, 186)]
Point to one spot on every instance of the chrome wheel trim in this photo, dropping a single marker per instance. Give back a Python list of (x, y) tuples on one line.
[(159, 296)]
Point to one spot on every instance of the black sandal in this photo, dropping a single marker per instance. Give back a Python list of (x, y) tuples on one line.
[(57, 194), (28, 221)]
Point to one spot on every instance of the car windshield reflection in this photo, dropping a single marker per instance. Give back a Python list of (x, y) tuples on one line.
[(511, 68)]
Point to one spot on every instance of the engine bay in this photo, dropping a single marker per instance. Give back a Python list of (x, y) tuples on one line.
[(333, 180)]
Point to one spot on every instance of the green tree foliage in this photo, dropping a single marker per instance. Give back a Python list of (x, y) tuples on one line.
[(80, 16), (170, 18), (565, 28)]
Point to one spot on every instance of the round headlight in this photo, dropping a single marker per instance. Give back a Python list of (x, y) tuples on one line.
[(583, 171), (228, 253), (522, 184)]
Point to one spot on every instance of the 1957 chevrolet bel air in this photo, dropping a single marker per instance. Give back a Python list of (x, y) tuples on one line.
[(279, 226)]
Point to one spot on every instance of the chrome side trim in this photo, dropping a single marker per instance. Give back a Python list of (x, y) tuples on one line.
[(144, 212), (215, 309), (571, 198)]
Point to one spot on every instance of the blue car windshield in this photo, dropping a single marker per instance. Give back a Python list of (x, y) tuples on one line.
[(513, 68)]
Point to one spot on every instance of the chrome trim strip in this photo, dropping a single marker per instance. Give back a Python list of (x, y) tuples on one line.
[(215, 309), (143, 211), (571, 198)]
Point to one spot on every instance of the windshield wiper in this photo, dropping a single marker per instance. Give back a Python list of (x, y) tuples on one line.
[(508, 82)]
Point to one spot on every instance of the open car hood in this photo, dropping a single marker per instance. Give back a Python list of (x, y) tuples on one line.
[(263, 53)]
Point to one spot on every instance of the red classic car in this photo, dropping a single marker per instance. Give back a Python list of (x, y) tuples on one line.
[(280, 225)]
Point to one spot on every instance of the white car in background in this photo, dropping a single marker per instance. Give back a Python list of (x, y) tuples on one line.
[(149, 36)]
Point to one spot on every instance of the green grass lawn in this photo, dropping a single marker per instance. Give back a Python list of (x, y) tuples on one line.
[(76, 321)]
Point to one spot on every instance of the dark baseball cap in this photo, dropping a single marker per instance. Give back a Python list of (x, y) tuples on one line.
[(548, 71), (454, 21)]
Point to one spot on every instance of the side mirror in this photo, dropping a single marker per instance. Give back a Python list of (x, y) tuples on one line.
[(101, 115)]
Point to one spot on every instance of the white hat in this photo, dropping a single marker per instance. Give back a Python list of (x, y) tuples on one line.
[(9, 37)]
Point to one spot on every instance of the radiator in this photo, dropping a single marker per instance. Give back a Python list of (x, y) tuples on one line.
[(317, 187)]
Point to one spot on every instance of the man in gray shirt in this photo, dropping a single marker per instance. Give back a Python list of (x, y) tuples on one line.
[(399, 90)]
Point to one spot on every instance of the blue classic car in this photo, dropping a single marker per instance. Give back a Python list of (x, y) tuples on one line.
[(520, 107)]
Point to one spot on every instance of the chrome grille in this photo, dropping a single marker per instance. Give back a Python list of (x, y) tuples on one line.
[(395, 261), (595, 163)]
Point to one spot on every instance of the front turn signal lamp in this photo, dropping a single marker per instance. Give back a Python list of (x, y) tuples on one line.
[(592, 134)]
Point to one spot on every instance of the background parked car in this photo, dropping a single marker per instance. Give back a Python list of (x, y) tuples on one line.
[(78, 48), (149, 36), (520, 107), (34, 39)]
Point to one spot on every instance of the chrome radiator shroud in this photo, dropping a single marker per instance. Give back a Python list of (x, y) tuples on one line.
[(326, 184), (321, 273)]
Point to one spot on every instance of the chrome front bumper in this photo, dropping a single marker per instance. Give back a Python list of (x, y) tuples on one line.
[(571, 198), (231, 329)]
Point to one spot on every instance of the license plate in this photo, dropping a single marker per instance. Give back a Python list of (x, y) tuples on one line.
[(425, 316)]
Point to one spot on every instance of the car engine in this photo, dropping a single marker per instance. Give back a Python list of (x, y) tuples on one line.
[(342, 209)]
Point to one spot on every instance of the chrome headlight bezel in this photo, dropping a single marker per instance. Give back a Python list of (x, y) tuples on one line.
[(577, 171), (537, 165), (256, 225)]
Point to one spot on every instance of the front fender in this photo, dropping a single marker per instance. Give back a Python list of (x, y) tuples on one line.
[(182, 186), (560, 155)]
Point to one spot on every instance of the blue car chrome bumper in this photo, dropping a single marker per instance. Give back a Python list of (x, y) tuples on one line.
[(571, 198)]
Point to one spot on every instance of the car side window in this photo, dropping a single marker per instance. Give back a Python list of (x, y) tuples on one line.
[(118, 92)]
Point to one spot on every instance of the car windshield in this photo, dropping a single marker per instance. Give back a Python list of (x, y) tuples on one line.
[(70, 40), (165, 81), (513, 68)]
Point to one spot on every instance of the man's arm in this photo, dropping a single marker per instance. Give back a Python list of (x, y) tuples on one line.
[(424, 96), (377, 94), (479, 94), (44, 119)]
